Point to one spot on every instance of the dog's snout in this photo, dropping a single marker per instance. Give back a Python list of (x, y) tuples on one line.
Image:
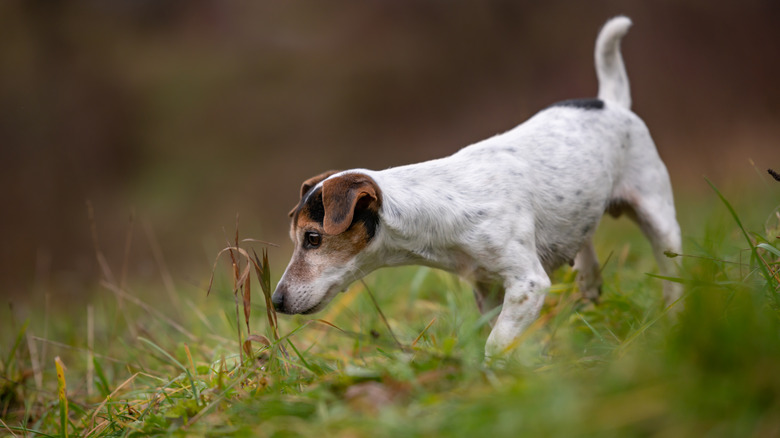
[(277, 299)]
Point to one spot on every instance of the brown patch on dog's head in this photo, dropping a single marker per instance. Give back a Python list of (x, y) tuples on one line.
[(346, 195)]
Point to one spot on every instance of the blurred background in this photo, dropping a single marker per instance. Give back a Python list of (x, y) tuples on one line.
[(170, 117)]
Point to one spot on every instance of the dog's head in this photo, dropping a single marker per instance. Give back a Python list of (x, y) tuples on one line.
[(336, 219)]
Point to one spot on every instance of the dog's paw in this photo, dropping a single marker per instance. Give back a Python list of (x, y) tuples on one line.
[(589, 286), (494, 362), (592, 294)]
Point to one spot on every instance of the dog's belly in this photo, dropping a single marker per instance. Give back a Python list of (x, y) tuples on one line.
[(559, 248), (566, 221)]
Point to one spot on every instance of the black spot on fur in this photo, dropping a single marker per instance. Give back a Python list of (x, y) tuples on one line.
[(585, 104), (313, 206), (369, 218), (774, 174)]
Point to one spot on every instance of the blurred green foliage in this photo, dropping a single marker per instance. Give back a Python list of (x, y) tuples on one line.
[(622, 368)]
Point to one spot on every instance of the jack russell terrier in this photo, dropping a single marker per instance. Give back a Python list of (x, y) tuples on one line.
[(503, 213)]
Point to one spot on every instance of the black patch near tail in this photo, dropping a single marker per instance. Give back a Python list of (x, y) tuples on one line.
[(586, 104)]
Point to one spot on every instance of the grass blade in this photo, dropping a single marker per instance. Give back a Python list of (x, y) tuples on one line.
[(102, 382), (417, 339), (7, 428), (61, 392), (770, 248), (247, 301), (178, 364), (382, 315), (754, 254), (595, 332), (17, 342), (667, 278), (731, 211), (263, 272), (167, 355)]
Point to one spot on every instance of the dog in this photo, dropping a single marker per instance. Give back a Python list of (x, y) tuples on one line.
[(503, 213)]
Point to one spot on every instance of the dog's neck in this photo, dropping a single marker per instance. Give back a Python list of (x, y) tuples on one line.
[(410, 230)]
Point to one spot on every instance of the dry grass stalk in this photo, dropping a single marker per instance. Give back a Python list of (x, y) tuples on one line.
[(235, 298), (8, 428), (90, 349), (263, 272), (109, 398), (242, 284)]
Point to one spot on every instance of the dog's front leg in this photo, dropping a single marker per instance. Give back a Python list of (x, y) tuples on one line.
[(522, 303)]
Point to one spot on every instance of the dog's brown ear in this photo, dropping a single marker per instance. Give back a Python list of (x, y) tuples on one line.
[(311, 182), (343, 196)]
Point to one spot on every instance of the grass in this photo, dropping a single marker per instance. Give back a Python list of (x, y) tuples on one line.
[(402, 353)]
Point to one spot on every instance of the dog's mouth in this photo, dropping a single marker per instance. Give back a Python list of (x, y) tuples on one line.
[(321, 304), (312, 310)]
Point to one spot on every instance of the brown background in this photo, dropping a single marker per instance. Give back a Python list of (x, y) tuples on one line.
[(187, 112)]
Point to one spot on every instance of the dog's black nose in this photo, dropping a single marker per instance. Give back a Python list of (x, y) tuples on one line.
[(278, 301)]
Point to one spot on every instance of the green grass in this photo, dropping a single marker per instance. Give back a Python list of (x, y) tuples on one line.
[(410, 362)]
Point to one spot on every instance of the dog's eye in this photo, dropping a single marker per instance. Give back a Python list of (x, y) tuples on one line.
[(312, 239)]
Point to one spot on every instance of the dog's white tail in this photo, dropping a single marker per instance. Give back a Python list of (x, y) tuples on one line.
[(613, 81)]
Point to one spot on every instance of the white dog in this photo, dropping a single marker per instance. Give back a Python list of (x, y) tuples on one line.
[(503, 213)]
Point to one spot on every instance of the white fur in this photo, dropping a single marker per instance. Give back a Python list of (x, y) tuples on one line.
[(510, 209), (613, 81)]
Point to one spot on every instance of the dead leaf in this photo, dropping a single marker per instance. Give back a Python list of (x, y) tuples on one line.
[(259, 338)]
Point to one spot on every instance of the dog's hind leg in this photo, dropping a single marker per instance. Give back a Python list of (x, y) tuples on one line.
[(658, 223), (588, 272), (655, 215)]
